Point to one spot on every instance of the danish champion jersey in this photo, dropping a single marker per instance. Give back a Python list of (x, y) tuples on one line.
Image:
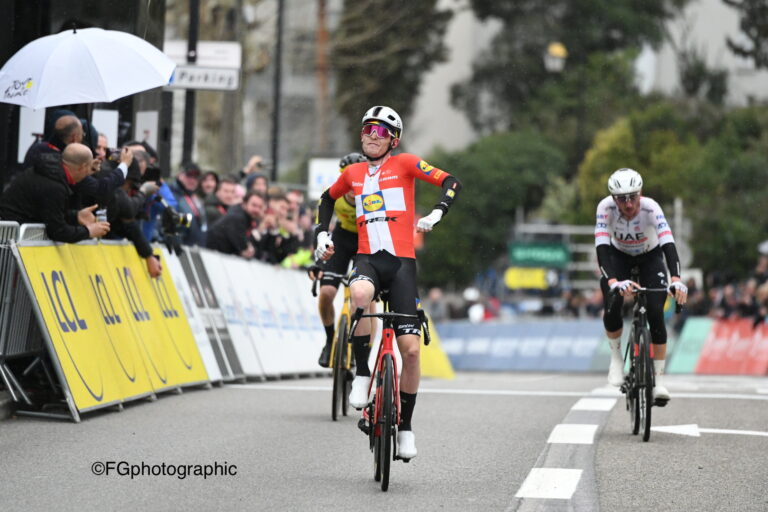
[(384, 201), (636, 236)]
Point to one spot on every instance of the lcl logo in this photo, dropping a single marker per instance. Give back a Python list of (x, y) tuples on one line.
[(140, 314), (166, 305), (105, 301), (71, 322)]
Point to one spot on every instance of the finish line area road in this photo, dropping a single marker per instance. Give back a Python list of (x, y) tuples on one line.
[(501, 441)]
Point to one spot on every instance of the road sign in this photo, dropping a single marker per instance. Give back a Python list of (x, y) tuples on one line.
[(537, 254), (198, 77)]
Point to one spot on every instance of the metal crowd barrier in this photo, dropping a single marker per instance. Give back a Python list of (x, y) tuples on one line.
[(20, 334)]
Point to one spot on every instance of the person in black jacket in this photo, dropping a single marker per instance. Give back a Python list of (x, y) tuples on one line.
[(233, 233), (44, 193)]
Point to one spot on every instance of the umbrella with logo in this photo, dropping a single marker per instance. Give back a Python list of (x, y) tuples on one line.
[(89, 65)]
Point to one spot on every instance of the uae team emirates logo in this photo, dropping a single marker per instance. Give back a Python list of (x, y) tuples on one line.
[(18, 88)]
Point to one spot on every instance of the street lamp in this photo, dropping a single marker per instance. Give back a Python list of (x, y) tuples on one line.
[(555, 56)]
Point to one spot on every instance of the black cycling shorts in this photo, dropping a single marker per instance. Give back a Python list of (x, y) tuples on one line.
[(345, 246), (653, 274), (398, 275)]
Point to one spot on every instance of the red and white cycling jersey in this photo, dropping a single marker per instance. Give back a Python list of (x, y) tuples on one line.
[(384, 201), (636, 236)]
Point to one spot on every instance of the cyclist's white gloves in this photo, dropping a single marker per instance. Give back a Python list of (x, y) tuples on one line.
[(622, 286), (679, 292), (324, 243), (428, 222), (680, 286)]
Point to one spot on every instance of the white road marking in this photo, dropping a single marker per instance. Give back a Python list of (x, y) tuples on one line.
[(694, 430), (550, 483), (569, 433), (594, 404), (509, 392), (762, 391)]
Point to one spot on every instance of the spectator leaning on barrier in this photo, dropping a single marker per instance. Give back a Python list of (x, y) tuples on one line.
[(44, 193), (126, 204), (234, 232), (183, 189)]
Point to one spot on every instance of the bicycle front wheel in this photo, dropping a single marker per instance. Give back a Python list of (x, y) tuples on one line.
[(645, 392), (339, 371), (387, 420), (631, 386)]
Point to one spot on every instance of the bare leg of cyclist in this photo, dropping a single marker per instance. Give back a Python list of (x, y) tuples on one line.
[(327, 316), (362, 294), (616, 368), (410, 351)]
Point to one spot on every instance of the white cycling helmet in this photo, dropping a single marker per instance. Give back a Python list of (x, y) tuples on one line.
[(625, 181), (387, 116)]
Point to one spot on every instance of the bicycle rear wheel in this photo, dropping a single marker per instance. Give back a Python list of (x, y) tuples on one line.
[(339, 371), (645, 398), (387, 420)]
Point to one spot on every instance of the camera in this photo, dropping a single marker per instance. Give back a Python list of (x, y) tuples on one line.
[(113, 154), (171, 222)]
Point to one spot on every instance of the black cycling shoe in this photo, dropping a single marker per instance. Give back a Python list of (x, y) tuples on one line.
[(325, 357)]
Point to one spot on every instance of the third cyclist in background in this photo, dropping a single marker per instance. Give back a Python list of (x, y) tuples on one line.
[(344, 238), (631, 230)]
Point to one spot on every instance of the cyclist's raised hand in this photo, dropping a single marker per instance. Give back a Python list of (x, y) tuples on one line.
[(325, 248), (426, 224), (679, 291), (625, 288)]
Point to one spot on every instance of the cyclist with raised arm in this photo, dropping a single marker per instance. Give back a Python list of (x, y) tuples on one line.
[(384, 203), (344, 239), (631, 230)]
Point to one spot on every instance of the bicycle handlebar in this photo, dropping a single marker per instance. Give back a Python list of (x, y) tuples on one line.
[(389, 315), (616, 292)]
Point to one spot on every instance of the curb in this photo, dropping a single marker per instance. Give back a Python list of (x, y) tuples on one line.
[(5, 405)]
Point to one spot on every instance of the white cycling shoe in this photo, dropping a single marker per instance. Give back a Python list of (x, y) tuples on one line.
[(358, 397), (406, 444), (616, 371), (660, 392)]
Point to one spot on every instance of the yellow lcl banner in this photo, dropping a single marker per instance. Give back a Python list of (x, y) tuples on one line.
[(116, 333)]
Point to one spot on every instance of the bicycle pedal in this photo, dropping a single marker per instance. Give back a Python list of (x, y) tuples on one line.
[(362, 424)]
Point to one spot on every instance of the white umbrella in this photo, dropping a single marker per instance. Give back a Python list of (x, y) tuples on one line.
[(84, 66)]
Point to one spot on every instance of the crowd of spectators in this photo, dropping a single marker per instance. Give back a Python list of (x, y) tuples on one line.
[(80, 188)]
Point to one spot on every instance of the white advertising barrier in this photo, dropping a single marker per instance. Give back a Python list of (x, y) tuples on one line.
[(213, 318), (287, 346), (193, 316), (225, 274)]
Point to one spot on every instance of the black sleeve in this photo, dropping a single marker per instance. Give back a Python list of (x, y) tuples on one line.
[(100, 188), (324, 212), (605, 261), (54, 214), (132, 232), (673, 261), (451, 188)]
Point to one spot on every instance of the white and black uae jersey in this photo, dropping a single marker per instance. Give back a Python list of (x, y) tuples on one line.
[(636, 236)]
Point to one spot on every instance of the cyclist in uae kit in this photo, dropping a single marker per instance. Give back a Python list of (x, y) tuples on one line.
[(345, 242), (384, 203), (631, 230)]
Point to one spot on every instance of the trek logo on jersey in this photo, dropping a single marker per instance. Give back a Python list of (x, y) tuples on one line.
[(373, 202), (425, 167)]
